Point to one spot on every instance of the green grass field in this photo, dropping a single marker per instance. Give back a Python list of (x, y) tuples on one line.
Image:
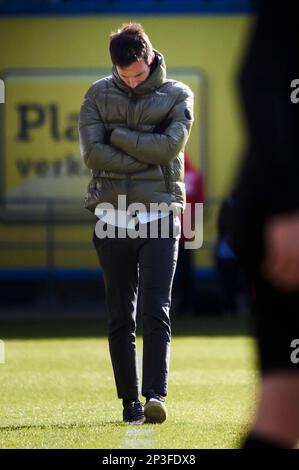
[(57, 388)]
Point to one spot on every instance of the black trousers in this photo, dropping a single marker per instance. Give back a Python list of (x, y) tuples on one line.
[(143, 267)]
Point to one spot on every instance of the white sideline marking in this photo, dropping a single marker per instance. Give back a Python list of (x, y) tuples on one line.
[(139, 431), (2, 92), (137, 443), (134, 442)]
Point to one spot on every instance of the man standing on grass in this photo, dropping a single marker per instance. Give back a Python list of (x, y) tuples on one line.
[(133, 128)]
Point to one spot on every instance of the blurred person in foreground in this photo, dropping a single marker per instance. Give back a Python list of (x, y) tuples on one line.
[(266, 234), (133, 128)]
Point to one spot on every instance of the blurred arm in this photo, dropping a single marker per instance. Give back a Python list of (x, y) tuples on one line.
[(281, 263)]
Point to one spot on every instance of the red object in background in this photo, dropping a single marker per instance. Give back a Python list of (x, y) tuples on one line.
[(194, 190)]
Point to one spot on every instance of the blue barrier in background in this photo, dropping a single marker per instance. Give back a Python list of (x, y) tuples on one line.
[(67, 274), (37, 7)]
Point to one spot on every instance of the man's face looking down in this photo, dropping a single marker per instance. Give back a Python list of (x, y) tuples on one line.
[(135, 73)]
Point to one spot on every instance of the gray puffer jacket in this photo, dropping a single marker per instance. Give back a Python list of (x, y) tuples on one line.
[(147, 167)]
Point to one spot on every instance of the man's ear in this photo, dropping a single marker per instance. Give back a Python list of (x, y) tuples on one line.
[(151, 57)]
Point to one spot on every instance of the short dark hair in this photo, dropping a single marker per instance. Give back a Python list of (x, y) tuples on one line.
[(128, 44)]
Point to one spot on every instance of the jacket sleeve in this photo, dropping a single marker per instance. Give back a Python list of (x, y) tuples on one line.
[(97, 155), (155, 148)]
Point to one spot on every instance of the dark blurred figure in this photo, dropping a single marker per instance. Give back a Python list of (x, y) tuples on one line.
[(234, 288), (185, 295), (267, 217)]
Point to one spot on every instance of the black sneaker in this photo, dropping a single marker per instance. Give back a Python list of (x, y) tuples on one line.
[(154, 409), (133, 413)]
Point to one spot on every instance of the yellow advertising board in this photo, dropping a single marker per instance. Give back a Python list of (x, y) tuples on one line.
[(41, 162), (41, 154), (50, 69)]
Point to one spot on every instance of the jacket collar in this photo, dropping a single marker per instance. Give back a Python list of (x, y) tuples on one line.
[(154, 81)]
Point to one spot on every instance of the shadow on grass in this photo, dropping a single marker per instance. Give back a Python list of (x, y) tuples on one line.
[(62, 426), (93, 328)]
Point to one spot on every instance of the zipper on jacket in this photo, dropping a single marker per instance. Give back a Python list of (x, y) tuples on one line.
[(130, 124), (131, 106)]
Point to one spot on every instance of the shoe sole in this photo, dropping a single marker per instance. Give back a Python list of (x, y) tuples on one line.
[(138, 422), (135, 423), (155, 412)]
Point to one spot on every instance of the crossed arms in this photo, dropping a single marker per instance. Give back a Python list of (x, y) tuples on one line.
[(130, 151)]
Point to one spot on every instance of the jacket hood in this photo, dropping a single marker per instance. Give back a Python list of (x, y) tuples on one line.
[(154, 81)]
